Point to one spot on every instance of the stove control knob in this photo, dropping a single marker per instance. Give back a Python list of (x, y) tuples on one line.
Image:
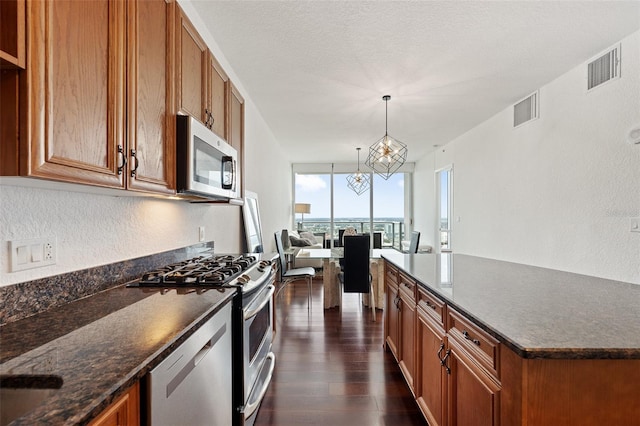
[(243, 279)]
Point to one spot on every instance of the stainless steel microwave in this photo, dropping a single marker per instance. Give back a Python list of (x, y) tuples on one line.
[(206, 164)]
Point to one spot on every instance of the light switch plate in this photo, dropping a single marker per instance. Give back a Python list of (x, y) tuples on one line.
[(32, 253), (634, 224)]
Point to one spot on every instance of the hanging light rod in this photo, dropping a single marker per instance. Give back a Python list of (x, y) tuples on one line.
[(387, 154)]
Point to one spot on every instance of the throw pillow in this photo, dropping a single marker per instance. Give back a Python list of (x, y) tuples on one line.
[(298, 242), (309, 237)]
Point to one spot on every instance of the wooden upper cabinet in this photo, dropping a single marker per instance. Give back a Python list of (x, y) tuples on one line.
[(236, 132), (192, 65), (12, 34), (150, 110), (95, 67), (75, 91), (218, 107)]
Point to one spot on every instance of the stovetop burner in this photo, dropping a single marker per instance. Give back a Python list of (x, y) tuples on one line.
[(202, 271)]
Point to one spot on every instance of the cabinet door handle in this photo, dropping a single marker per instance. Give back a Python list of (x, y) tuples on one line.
[(467, 336), (123, 157), (136, 163), (440, 351), (443, 362), (431, 305)]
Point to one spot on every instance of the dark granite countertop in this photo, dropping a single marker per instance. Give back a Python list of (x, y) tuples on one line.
[(100, 345), (537, 312)]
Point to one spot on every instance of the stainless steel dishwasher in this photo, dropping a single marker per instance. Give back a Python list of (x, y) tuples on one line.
[(192, 386)]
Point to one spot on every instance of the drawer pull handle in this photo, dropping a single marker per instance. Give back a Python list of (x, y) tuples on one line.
[(431, 305), (467, 336)]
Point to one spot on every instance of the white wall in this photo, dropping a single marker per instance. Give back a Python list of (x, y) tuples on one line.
[(559, 191), (93, 229)]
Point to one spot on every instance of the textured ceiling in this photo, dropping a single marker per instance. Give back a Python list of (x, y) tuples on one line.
[(317, 70)]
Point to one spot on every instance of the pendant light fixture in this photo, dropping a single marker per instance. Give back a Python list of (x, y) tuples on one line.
[(387, 154), (358, 182)]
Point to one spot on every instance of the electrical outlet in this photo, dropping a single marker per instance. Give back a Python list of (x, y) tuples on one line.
[(32, 253), (201, 233)]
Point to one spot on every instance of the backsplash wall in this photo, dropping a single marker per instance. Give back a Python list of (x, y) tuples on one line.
[(93, 229)]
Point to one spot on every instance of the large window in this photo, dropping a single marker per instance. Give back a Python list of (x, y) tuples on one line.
[(444, 180), (334, 206)]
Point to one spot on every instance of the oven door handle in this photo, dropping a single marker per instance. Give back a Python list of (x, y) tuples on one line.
[(252, 312), (252, 406)]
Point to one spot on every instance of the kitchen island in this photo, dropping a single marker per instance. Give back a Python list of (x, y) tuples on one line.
[(493, 342)]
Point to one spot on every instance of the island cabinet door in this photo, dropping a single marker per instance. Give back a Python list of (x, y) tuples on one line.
[(392, 316), (408, 341), (473, 395), (431, 376)]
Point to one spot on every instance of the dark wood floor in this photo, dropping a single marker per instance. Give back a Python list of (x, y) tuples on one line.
[(331, 367)]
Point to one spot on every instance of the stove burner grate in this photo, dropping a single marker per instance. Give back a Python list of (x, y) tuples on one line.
[(201, 271)]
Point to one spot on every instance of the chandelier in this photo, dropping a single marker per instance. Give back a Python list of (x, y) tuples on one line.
[(358, 182), (387, 154)]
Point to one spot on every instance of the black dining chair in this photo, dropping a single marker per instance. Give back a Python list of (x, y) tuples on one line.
[(355, 276), (415, 240), (288, 275)]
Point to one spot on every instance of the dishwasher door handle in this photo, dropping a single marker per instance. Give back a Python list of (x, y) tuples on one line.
[(187, 369), (252, 406)]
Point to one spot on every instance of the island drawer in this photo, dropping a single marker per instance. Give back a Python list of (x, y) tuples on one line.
[(431, 306), (407, 286), (482, 347)]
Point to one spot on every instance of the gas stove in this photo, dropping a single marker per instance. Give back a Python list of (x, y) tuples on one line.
[(209, 271)]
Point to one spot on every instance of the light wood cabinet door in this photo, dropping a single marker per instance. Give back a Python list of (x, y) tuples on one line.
[(76, 91), (219, 88), (474, 397), (431, 376), (392, 317), (236, 132), (192, 59), (124, 411), (150, 112)]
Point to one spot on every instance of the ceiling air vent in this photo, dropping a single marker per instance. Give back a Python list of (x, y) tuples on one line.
[(525, 110), (605, 67)]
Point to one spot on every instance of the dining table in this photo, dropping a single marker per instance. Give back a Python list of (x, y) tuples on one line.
[(331, 268)]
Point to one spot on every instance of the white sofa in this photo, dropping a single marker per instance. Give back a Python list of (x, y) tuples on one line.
[(301, 262)]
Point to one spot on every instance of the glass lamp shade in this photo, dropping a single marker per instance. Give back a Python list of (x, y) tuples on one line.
[(358, 182), (386, 156)]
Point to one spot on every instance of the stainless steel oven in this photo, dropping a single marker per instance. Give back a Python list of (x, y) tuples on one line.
[(206, 164), (258, 360)]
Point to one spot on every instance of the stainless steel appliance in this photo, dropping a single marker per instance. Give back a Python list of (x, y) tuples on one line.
[(191, 386), (206, 164), (250, 355)]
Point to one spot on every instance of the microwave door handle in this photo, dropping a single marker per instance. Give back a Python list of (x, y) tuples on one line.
[(226, 160)]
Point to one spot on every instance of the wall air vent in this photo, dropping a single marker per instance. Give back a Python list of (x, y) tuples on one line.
[(605, 67), (526, 110)]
